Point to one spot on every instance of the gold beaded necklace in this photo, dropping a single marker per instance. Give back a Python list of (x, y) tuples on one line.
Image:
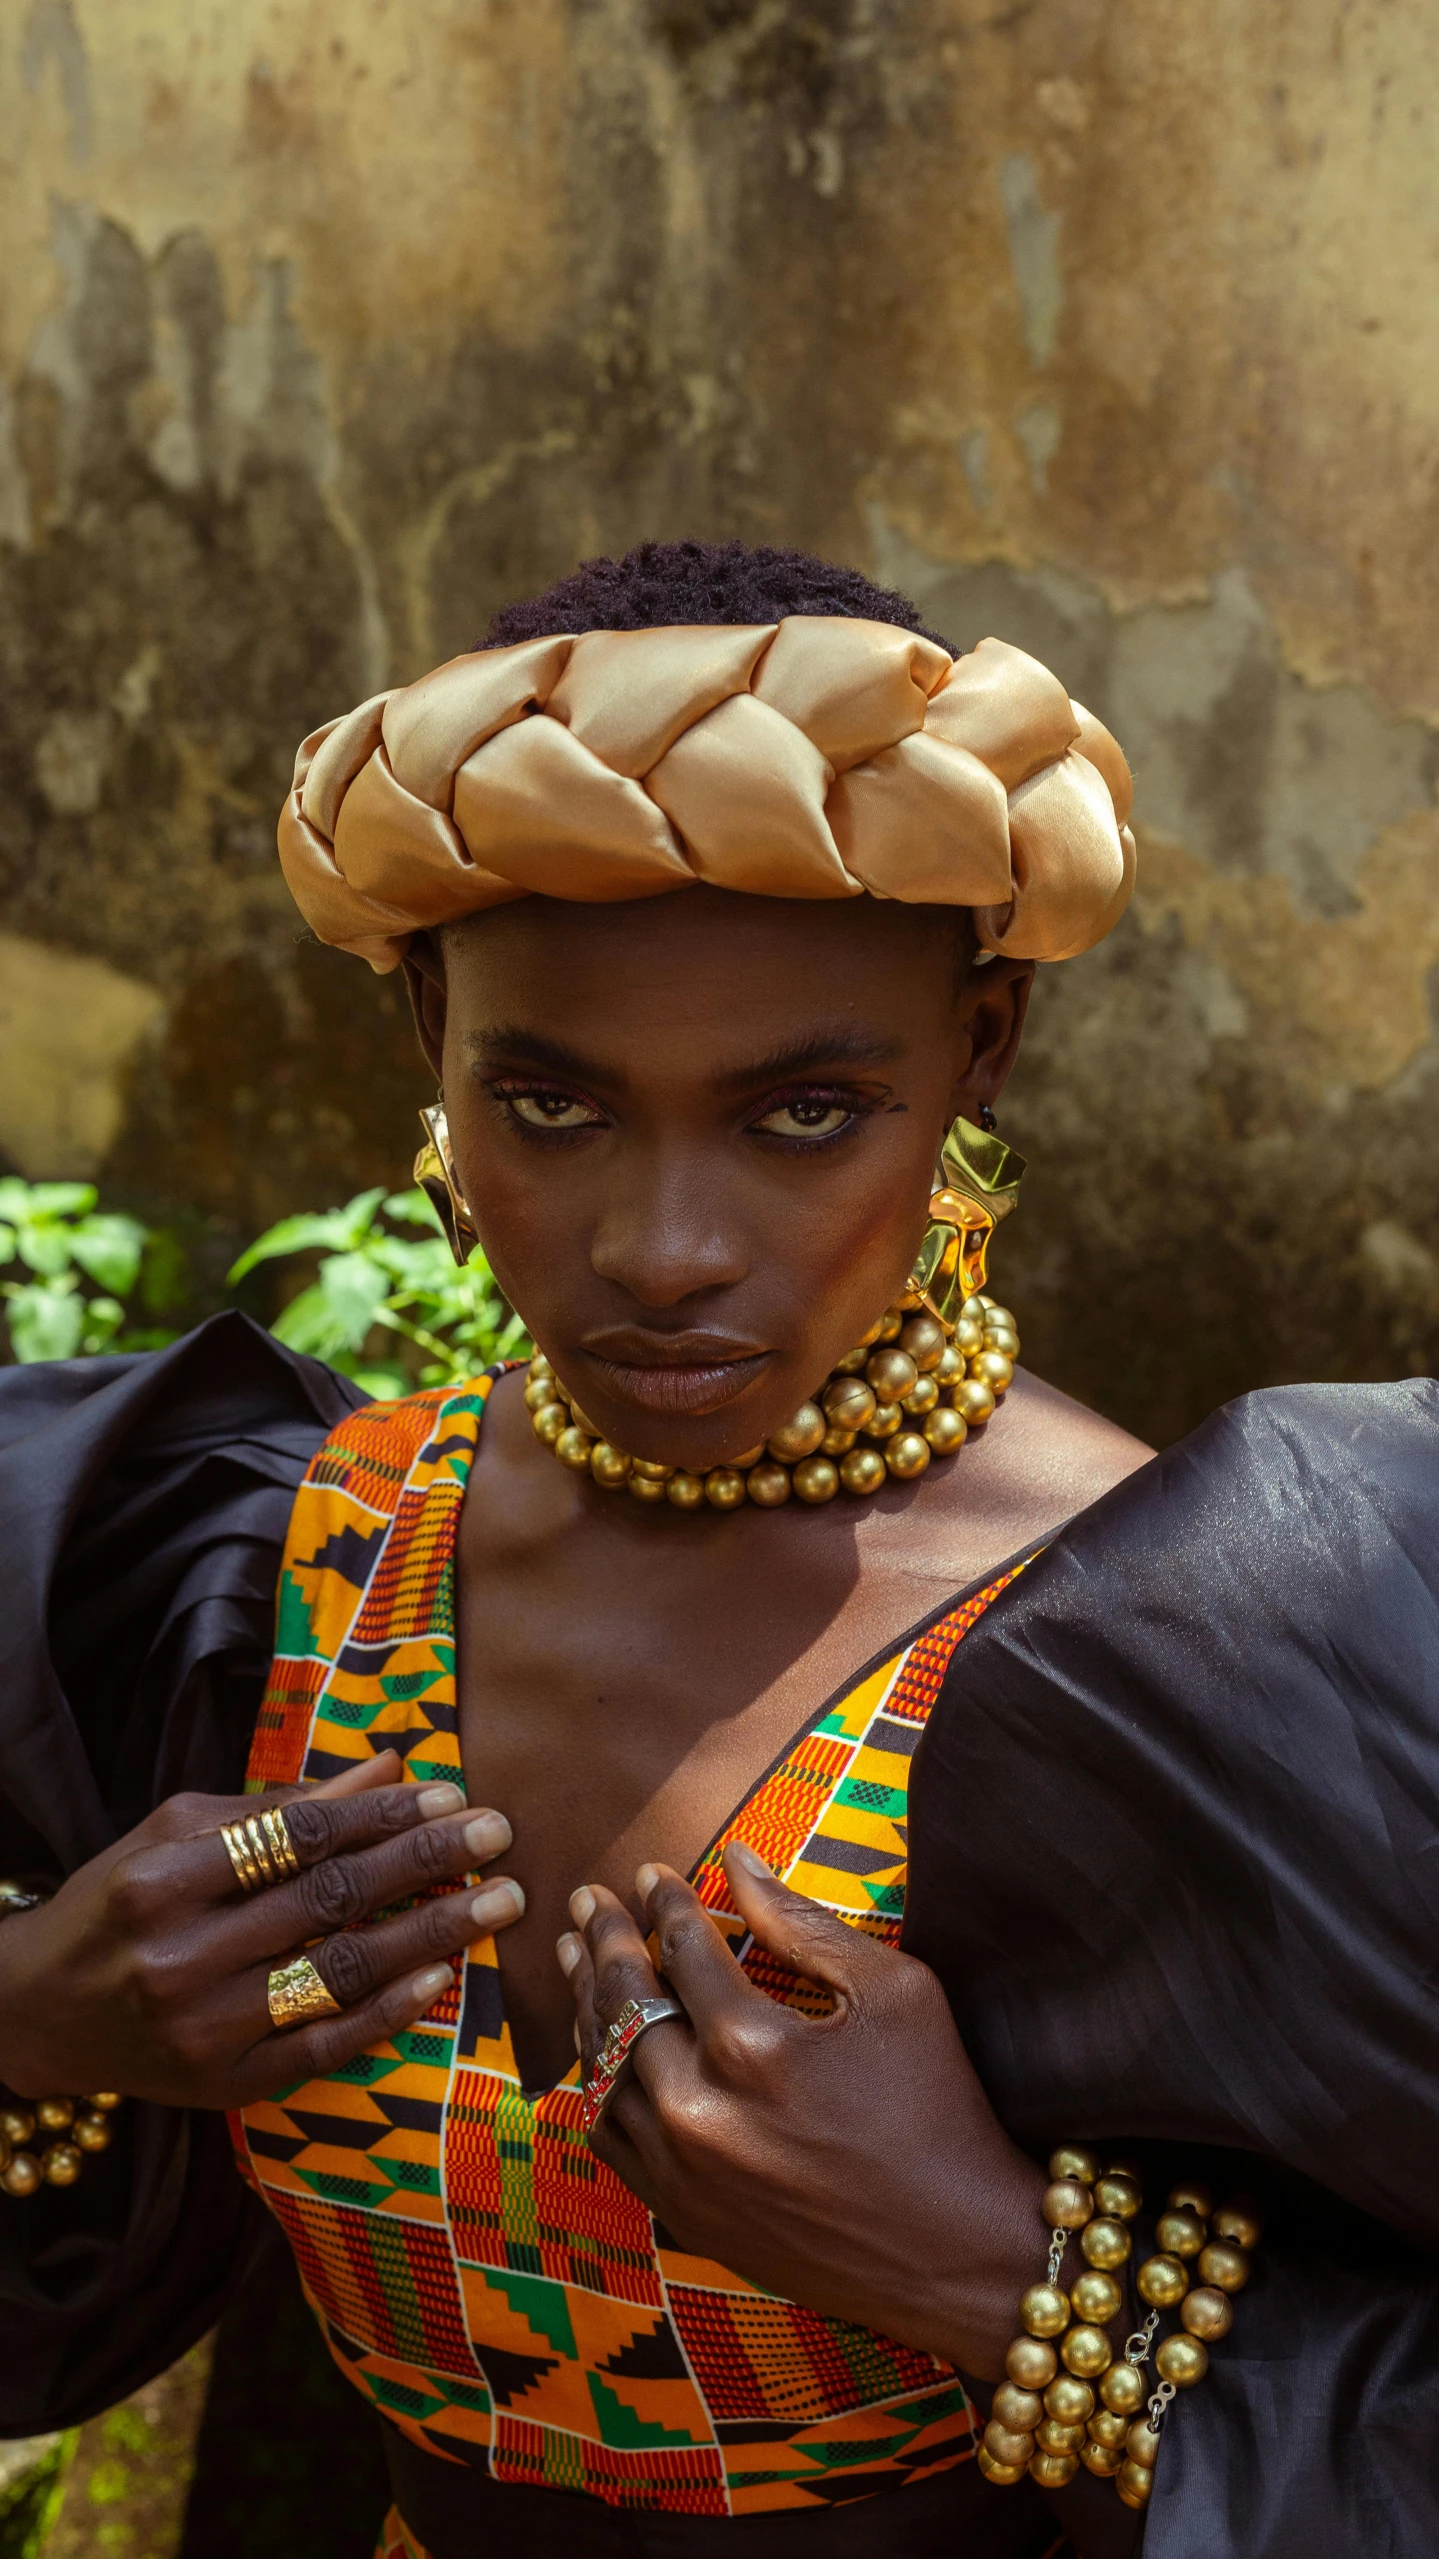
[(928, 1373), (44, 2141)]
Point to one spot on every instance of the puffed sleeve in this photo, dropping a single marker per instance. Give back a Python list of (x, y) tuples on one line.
[(143, 1507), (1174, 1853)]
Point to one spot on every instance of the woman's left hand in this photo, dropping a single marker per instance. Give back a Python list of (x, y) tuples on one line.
[(850, 2162)]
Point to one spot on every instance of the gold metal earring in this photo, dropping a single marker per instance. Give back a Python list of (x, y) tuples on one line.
[(436, 1177), (976, 1185)]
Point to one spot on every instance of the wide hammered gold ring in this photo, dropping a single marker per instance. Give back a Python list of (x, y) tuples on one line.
[(260, 1850), (297, 1994)]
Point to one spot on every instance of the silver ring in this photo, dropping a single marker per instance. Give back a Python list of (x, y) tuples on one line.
[(635, 2019)]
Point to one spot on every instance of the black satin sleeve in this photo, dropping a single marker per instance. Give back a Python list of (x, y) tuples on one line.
[(143, 1508), (1174, 1853)]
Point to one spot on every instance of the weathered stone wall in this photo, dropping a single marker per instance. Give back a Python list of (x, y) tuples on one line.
[(329, 324)]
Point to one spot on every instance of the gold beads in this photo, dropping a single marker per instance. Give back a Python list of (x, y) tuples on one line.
[(1096, 2297), (863, 1471), (1066, 2204), (910, 1391), (800, 1436), (1021, 2410), (1207, 2313), (1069, 2399), (1179, 2234), (1002, 2443), (22, 2175), (1087, 2351), (1241, 2222), (1183, 2360), (1162, 2282), (62, 2164), (1000, 2474), (55, 2114), (1117, 2196), (848, 1403), (891, 1373), (1122, 2391), (1054, 2436), (1135, 2485), (1054, 2469), (1107, 2426), (1101, 2460), (93, 2132), (1073, 2164), (1044, 2310), (1031, 2363), (1223, 2264), (1142, 2443), (1106, 2243)]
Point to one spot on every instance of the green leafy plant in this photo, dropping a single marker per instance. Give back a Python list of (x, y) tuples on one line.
[(381, 1289), (82, 1264)]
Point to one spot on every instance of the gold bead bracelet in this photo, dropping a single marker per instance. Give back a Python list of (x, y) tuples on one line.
[(913, 1389), (1064, 2400), (77, 2126)]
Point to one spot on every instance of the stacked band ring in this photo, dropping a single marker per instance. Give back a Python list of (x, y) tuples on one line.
[(260, 1850)]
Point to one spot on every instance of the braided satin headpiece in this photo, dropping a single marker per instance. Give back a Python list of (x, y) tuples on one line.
[(814, 757)]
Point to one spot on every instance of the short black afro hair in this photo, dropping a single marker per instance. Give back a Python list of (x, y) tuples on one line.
[(660, 582)]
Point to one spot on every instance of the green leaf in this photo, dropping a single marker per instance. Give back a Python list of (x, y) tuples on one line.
[(45, 1246), (7, 1243), (47, 1318), (354, 1290), (342, 1229), (108, 1249), (383, 1385), (415, 1209), (103, 1319), (57, 1199), (307, 1325)]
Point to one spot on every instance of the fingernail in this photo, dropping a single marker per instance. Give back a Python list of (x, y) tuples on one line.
[(581, 1906), (428, 1985), (487, 1834), (569, 1951), (744, 1855), (431, 1801), (500, 1900), (646, 1880)]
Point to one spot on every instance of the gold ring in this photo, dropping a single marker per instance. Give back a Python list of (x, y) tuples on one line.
[(261, 1851), (297, 1994)]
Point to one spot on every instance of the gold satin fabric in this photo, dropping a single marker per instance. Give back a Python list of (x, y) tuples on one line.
[(814, 757)]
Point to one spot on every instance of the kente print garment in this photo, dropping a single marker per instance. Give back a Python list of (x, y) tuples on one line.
[(500, 2296)]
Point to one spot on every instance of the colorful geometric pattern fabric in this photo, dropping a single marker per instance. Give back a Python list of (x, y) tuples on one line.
[(499, 2294)]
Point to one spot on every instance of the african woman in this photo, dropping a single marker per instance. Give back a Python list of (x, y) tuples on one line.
[(1060, 2178)]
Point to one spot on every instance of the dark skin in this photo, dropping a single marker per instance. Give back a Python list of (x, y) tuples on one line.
[(698, 1134), (698, 1137)]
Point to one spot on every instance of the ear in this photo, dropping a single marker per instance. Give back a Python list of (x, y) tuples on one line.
[(424, 970), (992, 1007)]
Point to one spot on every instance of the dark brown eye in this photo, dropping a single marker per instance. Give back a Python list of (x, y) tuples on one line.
[(806, 1115), (552, 1110)]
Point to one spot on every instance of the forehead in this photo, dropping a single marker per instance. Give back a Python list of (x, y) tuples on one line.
[(704, 948)]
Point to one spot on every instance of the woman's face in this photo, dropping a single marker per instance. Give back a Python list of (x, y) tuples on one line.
[(697, 1134)]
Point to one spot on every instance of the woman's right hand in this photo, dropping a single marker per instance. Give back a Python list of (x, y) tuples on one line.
[(148, 1972)]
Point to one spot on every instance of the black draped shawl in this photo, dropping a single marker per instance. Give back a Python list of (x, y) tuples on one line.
[(1174, 1855)]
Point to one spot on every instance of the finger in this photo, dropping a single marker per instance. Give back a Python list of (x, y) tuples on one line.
[(574, 1961), (693, 1956), (809, 1939), (627, 2130), (285, 2060), (385, 1769), (617, 1952), (360, 1961), (320, 1827), (339, 1890)]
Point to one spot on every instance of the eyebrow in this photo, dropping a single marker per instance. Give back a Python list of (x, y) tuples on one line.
[(840, 1047)]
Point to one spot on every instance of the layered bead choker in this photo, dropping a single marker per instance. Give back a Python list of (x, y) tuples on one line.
[(912, 1390)]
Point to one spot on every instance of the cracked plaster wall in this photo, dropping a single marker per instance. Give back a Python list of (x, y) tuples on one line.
[(326, 326)]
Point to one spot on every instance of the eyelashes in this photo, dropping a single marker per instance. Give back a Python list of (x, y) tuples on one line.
[(800, 1120)]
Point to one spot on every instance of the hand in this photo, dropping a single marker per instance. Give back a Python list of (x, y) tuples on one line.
[(148, 1971), (852, 2162)]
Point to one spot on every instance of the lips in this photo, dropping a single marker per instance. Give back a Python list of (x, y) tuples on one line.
[(675, 1373)]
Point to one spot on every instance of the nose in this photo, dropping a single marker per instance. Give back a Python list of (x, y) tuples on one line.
[(663, 1236)]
